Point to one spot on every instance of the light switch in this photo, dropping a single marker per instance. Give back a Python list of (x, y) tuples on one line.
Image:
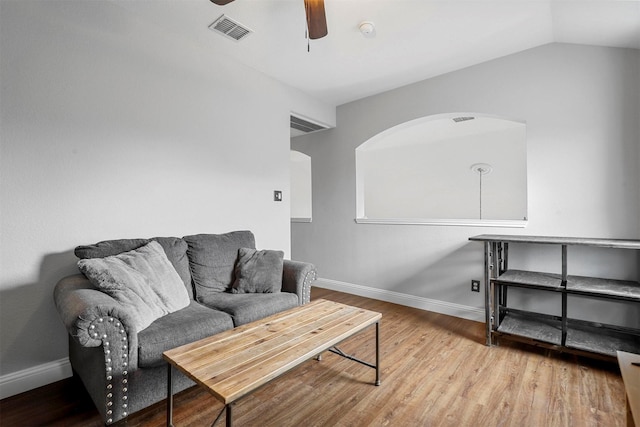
[(277, 196)]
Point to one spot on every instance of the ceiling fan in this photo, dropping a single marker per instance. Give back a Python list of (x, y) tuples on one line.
[(316, 19)]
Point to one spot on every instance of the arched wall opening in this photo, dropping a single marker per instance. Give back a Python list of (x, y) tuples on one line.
[(454, 168)]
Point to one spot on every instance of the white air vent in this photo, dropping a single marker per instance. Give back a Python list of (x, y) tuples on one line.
[(462, 119), (230, 28), (304, 125)]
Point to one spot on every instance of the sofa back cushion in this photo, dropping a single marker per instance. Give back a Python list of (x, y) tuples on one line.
[(212, 258), (174, 247), (109, 248)]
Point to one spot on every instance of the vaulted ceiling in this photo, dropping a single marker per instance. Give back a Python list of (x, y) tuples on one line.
[(414, 39)]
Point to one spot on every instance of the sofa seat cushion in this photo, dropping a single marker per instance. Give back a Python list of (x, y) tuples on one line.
[(245, 308), (178, 328)]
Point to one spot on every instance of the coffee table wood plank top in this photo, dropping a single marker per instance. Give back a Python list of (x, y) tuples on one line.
[(234, 363), (631, 378)]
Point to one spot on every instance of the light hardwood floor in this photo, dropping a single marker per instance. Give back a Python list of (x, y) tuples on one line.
[(436, 371)]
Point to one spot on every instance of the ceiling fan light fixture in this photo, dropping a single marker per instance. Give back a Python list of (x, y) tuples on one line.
[(481, 168), (368, 29)]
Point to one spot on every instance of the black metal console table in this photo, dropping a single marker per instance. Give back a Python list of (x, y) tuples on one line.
[(557, 332)]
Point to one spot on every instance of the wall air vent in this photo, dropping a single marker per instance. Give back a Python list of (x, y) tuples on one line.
[(304, 125), (230, 28), (462, 119)]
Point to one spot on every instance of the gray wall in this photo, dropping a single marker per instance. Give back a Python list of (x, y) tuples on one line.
[(582, 107), (112, 128)]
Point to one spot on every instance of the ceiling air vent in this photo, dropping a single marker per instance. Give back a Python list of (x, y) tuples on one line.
[(462, 119), (304, 125), (230, 28)]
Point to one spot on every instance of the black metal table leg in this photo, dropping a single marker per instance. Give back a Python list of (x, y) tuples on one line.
[(169, 396), (488, 309), (377, 353), (229, 415)]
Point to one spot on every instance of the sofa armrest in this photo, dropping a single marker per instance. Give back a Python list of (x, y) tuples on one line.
[(94, 318), (297, 278)]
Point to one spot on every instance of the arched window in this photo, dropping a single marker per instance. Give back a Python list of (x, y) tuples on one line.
[(300, 168), (460, 169)]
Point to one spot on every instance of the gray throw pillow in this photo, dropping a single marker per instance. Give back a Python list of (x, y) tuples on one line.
[(143, 280), (258, 271)]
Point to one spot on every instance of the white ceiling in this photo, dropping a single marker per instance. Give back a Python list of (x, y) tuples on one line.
[(415, 39)]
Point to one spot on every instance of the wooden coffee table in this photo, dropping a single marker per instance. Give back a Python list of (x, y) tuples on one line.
[(234, 363), (629, 364)]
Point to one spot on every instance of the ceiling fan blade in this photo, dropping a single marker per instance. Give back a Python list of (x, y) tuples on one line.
[(221, 2), (316, 18)]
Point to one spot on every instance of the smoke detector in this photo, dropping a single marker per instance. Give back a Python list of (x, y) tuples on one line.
[(367, 29)]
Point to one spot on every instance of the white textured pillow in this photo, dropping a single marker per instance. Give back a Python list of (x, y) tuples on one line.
[(142, 279)]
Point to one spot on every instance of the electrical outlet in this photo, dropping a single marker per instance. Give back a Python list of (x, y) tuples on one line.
[(475, 286)]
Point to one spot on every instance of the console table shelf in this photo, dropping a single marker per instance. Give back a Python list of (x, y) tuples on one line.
[(595, 338), (577, 285), (557, 332)]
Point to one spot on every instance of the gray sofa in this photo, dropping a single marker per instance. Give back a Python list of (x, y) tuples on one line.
[(121, 366)]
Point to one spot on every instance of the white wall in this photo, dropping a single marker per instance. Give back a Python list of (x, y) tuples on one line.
[(581, 105), (110, 129)]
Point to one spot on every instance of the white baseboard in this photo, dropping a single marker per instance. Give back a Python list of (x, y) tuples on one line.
[(37, 376), (442, 307)]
